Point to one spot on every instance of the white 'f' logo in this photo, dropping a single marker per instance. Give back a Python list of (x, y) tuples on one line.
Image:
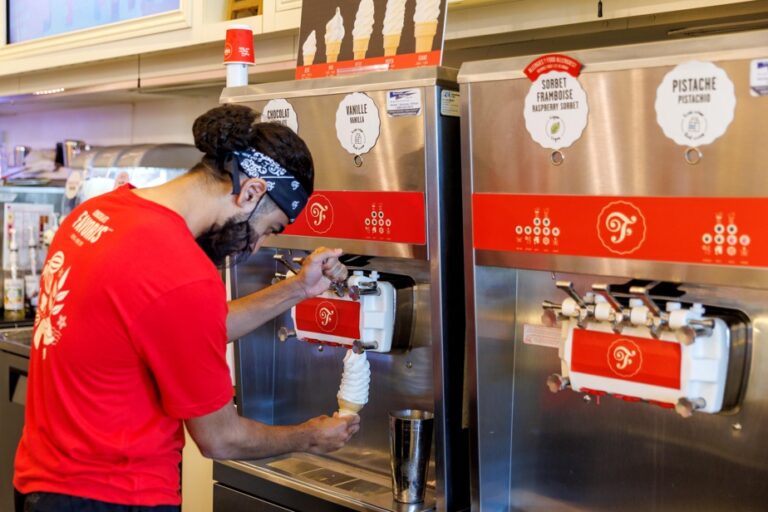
[(619, 224), (625, 357), (326, 315), (621, 227), (317, 212)]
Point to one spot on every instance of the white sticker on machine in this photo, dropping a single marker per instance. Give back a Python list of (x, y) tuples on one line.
[(357, 123), (542, 336), (556, 110), (280, 111), (450, 103), (404, 102), (758, 77), (695, 103)]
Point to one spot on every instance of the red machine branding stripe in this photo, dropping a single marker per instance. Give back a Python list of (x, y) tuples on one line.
[(329, 317), (709, 230), (408, 60), (382, 216), (630, 358)]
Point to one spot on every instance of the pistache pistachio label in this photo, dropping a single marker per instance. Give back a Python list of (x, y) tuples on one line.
[(695, 103), (556, 110)]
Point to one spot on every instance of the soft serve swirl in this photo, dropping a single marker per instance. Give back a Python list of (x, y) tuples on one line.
[(356, 378), (363, 20), (394, 17), (310, 45), (426, 11), (334, 29)]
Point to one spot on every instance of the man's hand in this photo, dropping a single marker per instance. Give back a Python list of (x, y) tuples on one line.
[(320, 269), (328, 434)]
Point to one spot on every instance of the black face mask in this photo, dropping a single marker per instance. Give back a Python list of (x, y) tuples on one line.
[(234, 239)]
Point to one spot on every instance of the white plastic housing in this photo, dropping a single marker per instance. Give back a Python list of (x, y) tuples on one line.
[(377, 315), (703, 366)]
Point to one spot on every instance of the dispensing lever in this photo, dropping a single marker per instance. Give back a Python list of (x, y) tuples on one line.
[(358, 347), (657, 319), (294, 265), (568, 288), (360, 289), (642, 293), (604, 290)]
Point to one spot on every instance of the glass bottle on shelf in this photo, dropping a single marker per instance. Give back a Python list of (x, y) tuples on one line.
[(13, 285), (32, 279)]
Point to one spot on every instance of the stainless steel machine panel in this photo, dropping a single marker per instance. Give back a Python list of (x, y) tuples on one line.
[(534, 450), (289, 382)]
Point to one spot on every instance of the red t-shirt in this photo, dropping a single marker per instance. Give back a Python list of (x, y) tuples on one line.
[(130, 339)]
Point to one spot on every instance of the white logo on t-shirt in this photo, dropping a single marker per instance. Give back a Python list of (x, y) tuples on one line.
[(51, 302), (91, 227)]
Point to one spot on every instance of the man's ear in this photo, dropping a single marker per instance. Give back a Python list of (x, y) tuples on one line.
[(251, 191)]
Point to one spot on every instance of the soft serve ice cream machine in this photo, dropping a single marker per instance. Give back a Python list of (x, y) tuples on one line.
[(388, 192), (617, 282)]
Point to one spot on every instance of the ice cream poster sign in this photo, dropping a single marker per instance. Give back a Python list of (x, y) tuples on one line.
[(695, 103), (556, 109), (339, 35)]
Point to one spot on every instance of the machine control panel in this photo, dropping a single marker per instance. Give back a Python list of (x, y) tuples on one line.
[(675, 356)]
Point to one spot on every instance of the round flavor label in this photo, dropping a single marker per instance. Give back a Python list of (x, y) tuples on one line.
[(280, 111), (357, 123), (556, 110), (695, 103)]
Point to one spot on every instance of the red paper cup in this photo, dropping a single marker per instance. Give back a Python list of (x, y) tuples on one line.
[(238, 46)]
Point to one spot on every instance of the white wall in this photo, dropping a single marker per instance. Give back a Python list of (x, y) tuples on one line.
[(153, 121)]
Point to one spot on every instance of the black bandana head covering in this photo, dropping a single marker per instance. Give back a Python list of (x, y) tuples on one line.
[(282, 186)]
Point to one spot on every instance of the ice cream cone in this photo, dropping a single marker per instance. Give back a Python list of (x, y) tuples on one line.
[(391, 43), (348, 408), (425, 35), (332, 51), (309, 58), (360, 47)]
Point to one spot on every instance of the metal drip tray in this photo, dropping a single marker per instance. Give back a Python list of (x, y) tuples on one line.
[(17, 340), (347, 485), (352, 483)]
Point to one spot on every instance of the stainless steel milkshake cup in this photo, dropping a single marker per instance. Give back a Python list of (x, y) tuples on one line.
[(410, 441)]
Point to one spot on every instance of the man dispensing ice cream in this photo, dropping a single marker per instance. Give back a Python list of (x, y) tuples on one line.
[(131, 345)]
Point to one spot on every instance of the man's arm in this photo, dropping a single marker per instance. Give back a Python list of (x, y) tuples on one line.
[(252, 311), (225, 435)]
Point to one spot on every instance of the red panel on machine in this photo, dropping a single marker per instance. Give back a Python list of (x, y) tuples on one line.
[(408, 60), (329, 316), (382, 216), (710, 230), (642, 360)]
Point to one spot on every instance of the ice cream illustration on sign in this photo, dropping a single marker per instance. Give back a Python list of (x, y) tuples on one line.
[(355, 381), (309, 49), (361, 34), (334, 33), (394, 18), (425, 24)]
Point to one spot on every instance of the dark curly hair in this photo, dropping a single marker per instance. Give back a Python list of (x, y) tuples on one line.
[(229, 128)]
